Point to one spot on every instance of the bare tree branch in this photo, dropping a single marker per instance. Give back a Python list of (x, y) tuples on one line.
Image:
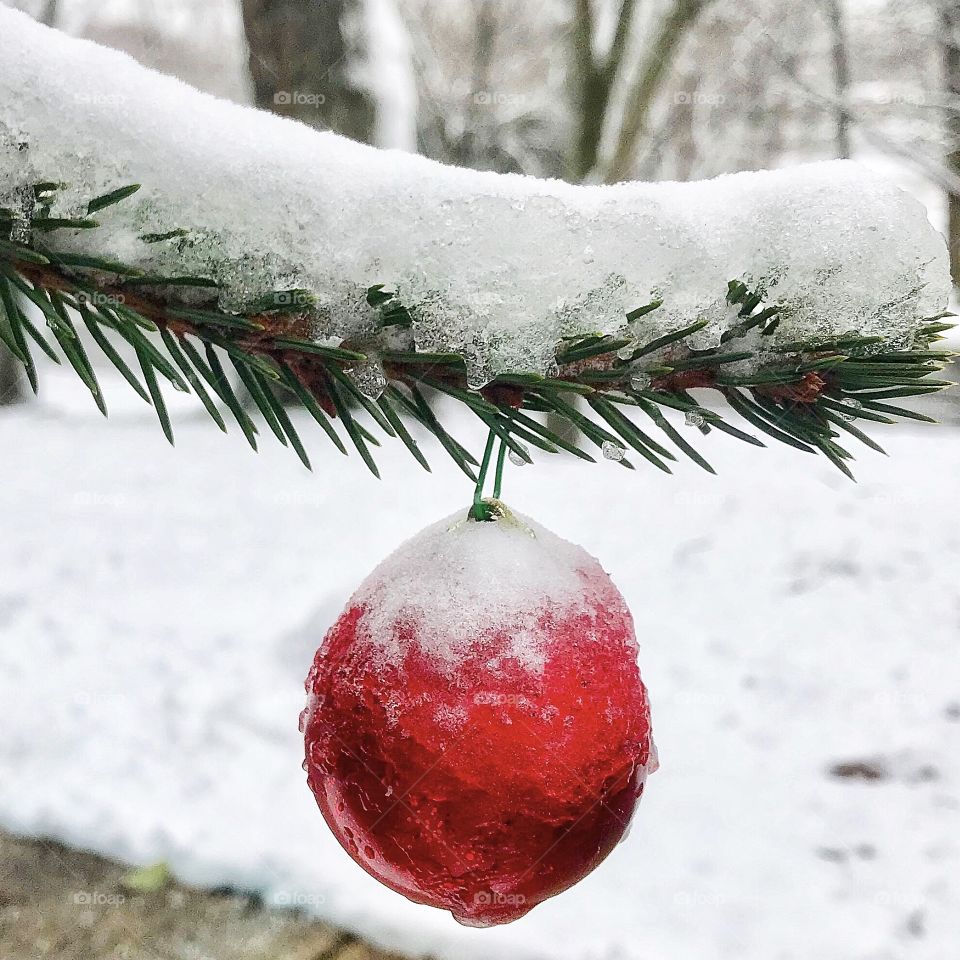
[(841, 74), (48, 13), (662, 49), (932, 167), (593, 82)]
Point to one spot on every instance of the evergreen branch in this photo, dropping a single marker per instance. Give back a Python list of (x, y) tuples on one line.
[(804, 394)]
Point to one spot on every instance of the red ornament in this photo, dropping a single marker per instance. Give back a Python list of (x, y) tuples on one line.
[(477, 734)]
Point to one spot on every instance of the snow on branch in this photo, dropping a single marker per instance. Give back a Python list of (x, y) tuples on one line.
[(496, 268), (354, 278)]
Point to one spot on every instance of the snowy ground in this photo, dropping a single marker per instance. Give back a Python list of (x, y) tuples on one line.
[(159, 609)]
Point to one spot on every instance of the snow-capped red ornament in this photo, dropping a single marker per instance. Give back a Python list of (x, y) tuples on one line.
[(477, 733)]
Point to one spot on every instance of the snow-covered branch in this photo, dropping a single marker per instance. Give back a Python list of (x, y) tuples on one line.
[(355, 278), (497, 268)]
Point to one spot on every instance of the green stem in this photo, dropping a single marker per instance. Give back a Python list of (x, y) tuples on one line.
[(498, 476), (479, 510)]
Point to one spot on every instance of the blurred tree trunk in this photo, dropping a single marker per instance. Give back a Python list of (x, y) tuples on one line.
[(841, 76), (300, 63), (660, 54), (469, 150), (592, 80), (950, 20), (48, 13)]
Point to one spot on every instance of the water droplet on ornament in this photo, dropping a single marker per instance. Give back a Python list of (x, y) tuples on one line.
[(516, 459), (368, 852), (653, 763), (641, 381), (853, 406), (613, 451), (694, 419), (305, 766)]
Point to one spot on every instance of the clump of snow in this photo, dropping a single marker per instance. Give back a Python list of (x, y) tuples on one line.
[(495, 267), (460, 582)]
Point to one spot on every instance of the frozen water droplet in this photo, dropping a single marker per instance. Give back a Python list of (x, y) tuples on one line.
[(641, 380), (477, 378), (23, 204), (516, 459), (694, 419), (612, 450), (852, 406), (625, 353), (20, 231), (369, 378), (588, 254)]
